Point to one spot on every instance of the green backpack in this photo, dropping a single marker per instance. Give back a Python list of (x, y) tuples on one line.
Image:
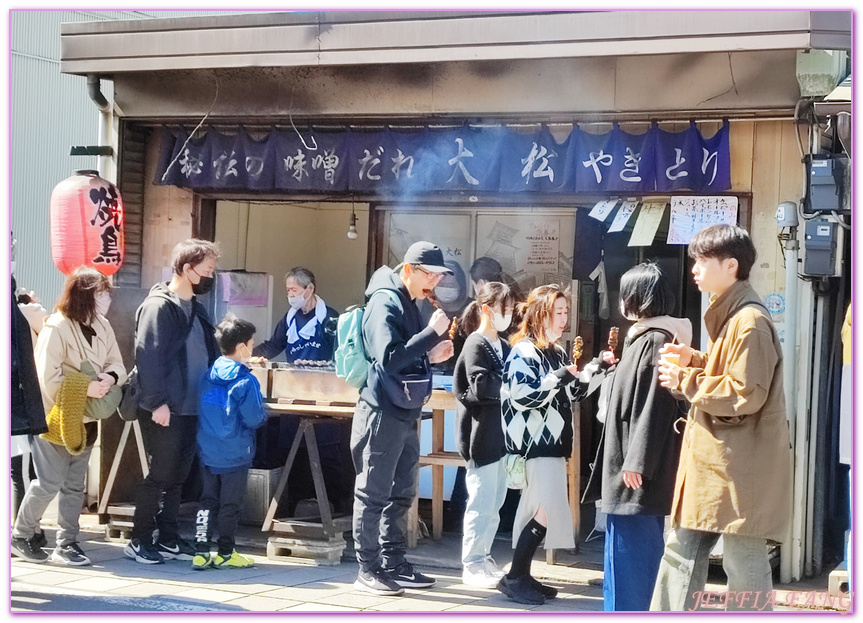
[(352, 364)]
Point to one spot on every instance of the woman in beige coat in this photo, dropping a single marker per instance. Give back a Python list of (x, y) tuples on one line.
[(77, 330)]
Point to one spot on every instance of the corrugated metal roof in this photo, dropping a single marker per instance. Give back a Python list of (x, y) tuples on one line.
[(372, 38)]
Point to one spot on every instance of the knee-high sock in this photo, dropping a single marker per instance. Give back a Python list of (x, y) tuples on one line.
[(525, 548)]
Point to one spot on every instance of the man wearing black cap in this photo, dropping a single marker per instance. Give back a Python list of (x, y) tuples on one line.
[(384, 437)]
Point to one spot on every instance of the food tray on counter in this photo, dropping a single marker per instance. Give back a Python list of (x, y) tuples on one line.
[(314, 384)]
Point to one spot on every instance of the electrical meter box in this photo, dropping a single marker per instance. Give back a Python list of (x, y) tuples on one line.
[(823, 191), (820, 243)]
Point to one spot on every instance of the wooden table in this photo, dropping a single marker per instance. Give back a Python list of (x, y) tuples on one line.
[(441, 401), (318, 411), (309, 415)]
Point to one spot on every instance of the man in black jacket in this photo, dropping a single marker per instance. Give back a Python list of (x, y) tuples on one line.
[(27, 418), (384, 436), (174, 346)]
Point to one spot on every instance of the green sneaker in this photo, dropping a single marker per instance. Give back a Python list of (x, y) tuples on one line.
[(234, 561), (202, 560)]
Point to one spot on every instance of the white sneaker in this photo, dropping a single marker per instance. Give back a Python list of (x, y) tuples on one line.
[(492, 568), (479, 574)]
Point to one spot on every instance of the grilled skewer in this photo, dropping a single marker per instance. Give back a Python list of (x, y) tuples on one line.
[(613, 334), (577, 348)]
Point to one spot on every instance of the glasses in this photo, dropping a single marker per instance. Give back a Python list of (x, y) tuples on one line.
[(435, 277)]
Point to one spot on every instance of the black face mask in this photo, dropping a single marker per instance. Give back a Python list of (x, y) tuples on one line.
[(203, 286)]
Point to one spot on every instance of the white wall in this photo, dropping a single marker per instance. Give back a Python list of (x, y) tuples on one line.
[(275, 237)]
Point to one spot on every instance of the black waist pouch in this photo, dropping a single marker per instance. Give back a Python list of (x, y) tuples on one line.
[(408, 391)]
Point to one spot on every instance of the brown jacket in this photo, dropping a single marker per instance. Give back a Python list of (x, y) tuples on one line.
[(735, 468)]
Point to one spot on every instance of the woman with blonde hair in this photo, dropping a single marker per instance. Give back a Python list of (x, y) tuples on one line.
[(75, 334), (539, 385)]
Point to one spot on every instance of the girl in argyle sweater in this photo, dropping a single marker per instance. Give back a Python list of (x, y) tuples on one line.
[(539, 385)]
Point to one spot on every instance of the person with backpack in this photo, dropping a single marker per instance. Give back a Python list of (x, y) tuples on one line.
[(734, 477), (384, 432), (174, 347), (476, 384), (636, 461), (231, 410)]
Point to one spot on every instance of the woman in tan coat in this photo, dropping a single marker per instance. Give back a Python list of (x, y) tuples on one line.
[(77, 331), (734, 476)]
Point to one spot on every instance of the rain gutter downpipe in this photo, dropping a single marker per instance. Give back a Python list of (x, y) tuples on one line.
[(95, 92), (105, 111), (790, 550)]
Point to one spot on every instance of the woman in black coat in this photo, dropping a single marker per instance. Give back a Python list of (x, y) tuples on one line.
[(638, 454)]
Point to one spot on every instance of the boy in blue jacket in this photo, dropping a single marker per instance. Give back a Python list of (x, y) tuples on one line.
[(230, 411)]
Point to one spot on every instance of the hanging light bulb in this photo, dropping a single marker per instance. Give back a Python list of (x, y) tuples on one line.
[(352, 230)]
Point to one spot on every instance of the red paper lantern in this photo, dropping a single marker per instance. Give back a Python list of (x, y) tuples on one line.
[(87, 224)]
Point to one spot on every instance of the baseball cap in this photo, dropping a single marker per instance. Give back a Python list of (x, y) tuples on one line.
[(428, 256)]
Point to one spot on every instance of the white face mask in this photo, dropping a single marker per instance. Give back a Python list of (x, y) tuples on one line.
[(551, 336), (103, 302), (446, 295), (245, 358), (297, 302), (501, 322)]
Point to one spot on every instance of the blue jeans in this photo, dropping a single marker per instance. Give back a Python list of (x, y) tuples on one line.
[(633, 549), (486, 491)]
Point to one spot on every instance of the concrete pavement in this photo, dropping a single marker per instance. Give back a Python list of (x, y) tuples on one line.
[(116, 583)]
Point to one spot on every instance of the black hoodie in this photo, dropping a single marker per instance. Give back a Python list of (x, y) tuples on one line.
[(160, 348), (394, 337)]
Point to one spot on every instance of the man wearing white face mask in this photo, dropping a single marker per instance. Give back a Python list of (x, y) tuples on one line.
[(303, 335), (303, 332)]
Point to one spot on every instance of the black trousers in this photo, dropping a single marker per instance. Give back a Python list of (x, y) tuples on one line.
[(386, 454), (172, 450), (221, 502)]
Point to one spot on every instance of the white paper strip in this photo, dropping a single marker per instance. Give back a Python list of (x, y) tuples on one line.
[(622, 216), (647, 223), (602, 209)]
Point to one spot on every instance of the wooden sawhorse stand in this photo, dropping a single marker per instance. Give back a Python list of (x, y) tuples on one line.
[(322, 540), (120, 516)]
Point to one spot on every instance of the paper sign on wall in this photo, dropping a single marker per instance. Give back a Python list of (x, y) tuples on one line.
[(544, 241), (689, 215), (602, 209), (647, 223), (622, 217)]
